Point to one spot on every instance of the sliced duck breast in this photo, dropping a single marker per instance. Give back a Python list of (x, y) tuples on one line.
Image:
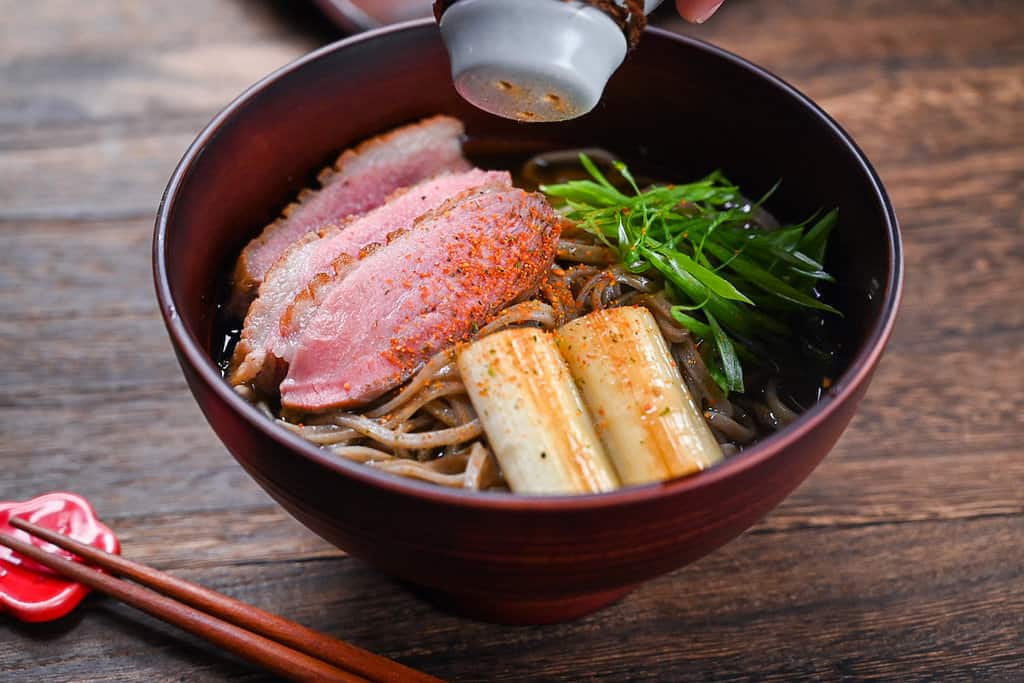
[(263, 352), (360, 180), (367, 329)]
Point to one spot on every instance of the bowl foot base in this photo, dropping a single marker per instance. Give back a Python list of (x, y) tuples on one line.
[(521, 611)]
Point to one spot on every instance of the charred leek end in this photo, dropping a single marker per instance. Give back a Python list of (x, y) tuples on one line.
[(533, 415), (650, 425)]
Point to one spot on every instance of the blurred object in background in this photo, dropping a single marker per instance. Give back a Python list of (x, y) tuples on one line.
[(360, 15)]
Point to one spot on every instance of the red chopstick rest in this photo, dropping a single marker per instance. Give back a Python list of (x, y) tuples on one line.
[(31, 592)]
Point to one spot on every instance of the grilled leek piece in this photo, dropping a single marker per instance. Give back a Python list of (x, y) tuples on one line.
[(649, 423), (533, 415)]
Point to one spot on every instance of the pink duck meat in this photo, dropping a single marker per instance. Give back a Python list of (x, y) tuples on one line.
[(365, 330)]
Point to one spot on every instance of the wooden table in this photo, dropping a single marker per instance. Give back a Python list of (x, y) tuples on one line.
[(900, 559)]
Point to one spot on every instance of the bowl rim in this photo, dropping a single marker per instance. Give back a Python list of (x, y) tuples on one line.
[(191, 350)]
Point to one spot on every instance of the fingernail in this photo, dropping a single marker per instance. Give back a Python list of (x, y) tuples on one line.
[(703, 15)]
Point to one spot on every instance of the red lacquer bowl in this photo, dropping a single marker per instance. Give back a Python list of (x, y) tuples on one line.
[(677, 104)]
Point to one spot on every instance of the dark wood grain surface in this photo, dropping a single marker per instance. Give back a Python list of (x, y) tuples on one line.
[(901, 558)]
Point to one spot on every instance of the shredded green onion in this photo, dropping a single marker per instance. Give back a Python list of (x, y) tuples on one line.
[(733, 283)]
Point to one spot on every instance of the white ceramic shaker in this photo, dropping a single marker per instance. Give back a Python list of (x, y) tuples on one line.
[(533, 60)]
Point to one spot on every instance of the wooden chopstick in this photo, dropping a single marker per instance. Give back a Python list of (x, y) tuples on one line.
[(267, 653), (280, 645)]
